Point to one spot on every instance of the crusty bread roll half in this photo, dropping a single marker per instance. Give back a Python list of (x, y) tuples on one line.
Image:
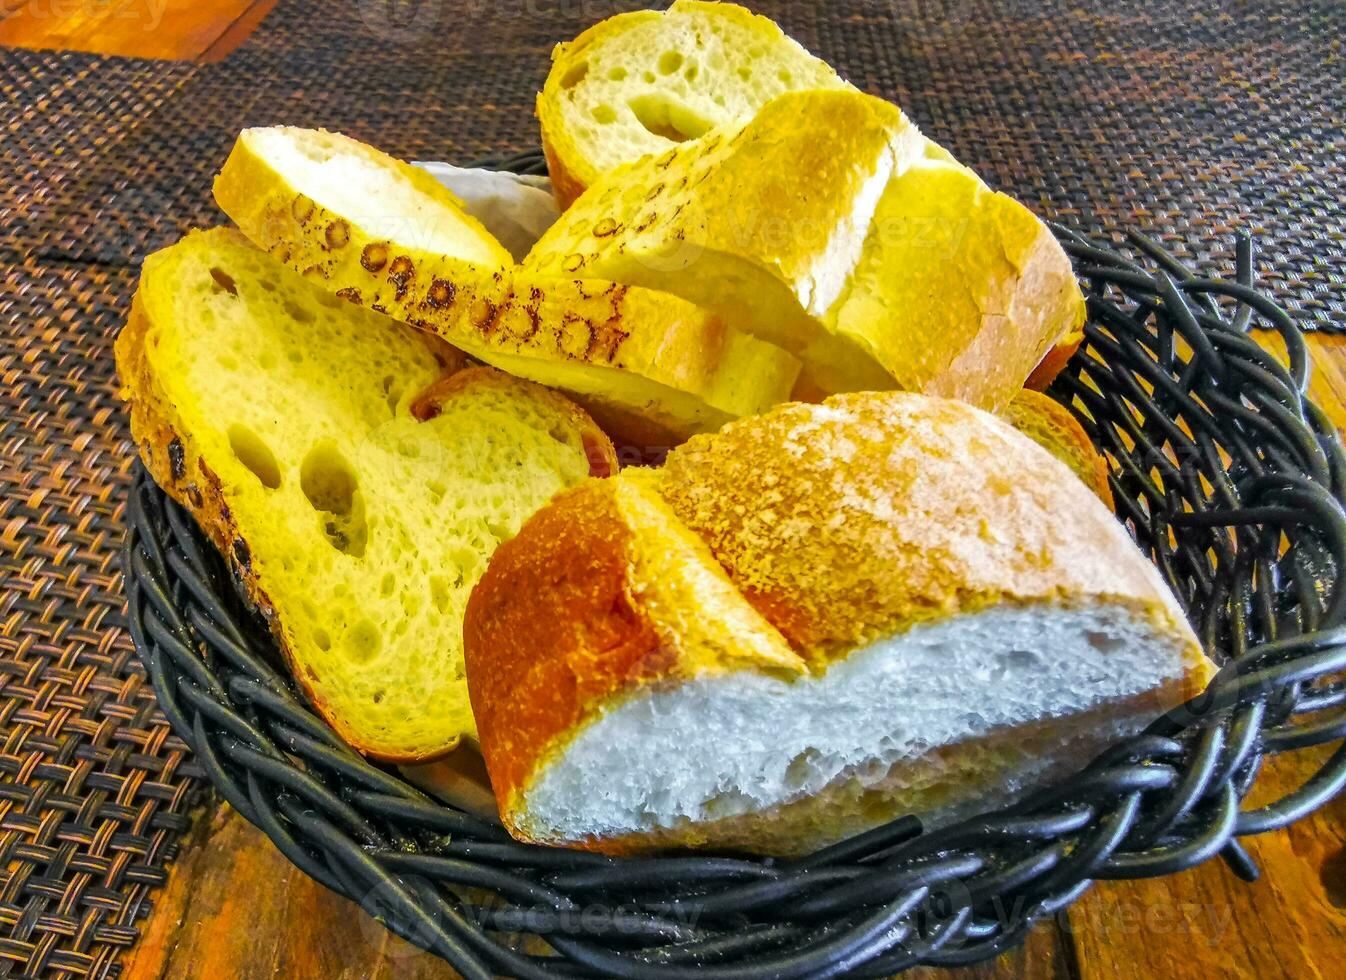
[(809, 623)]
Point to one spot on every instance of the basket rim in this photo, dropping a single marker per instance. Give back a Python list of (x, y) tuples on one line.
[(1157, 803)]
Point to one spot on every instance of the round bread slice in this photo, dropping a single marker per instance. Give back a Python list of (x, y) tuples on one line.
[(353, 472), (640, 82), (968, 621)]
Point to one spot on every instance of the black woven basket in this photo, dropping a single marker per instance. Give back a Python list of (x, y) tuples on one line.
[(1226, 475)]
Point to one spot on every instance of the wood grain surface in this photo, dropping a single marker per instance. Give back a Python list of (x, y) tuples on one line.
[(234, 907), (202, 30)]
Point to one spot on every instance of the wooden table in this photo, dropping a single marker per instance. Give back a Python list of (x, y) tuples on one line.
[(1197, 925), (234, 907)]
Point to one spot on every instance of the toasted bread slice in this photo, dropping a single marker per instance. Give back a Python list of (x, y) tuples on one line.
[(1052, 426), (642, 82), (725, 222), (654, 367), (823, 226), (945, 619), (356, 479)]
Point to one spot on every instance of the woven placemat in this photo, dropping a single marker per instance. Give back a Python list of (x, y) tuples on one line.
[(94, 788), (1156, 116), (1180, 121)]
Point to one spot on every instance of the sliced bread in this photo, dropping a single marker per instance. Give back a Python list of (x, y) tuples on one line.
[(641, 82), (933, 616), (1052, 426), (356, 478), (822, 227), (654, 367)]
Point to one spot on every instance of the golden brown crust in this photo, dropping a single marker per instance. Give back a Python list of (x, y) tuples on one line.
[(1055, 360), (852, 520), (566, 186), (1052, 426), (627, 596)]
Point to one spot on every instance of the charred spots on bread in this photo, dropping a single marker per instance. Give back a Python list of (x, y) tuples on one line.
[(400, 274), (242, 554), (485, 315), (301, 208), (337, 235), (606, 338), (351, 294), (520, 321), (177, 459), (440, 294), (374, 256)]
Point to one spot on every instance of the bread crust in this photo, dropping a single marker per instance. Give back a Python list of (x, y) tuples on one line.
[(840, 524), (1055, 360), (1052, 426), (851, 520), (686, 370), (628, 598)]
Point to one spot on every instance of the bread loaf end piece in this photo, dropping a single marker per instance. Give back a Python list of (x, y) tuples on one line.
[(971, 619)]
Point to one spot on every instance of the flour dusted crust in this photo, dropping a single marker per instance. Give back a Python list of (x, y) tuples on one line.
[(853, 519), (837, 525)]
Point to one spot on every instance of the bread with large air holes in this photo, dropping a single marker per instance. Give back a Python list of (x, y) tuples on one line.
[(809, 623), (822, 227), (354, 473), (644, 83)]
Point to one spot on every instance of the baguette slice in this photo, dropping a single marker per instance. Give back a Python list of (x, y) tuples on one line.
[(355, 479), (1052, 426), (653, 368), (641, 82), (968, 621), (822, 227), (764, 225)]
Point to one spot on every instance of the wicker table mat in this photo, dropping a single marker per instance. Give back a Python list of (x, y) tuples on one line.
[(94, 788), (1158, 116)]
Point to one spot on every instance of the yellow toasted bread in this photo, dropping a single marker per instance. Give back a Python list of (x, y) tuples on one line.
[(654, 367), (824, 226), (355, 477)]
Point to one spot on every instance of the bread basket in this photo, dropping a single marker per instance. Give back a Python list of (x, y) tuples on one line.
[(1226, 475)]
